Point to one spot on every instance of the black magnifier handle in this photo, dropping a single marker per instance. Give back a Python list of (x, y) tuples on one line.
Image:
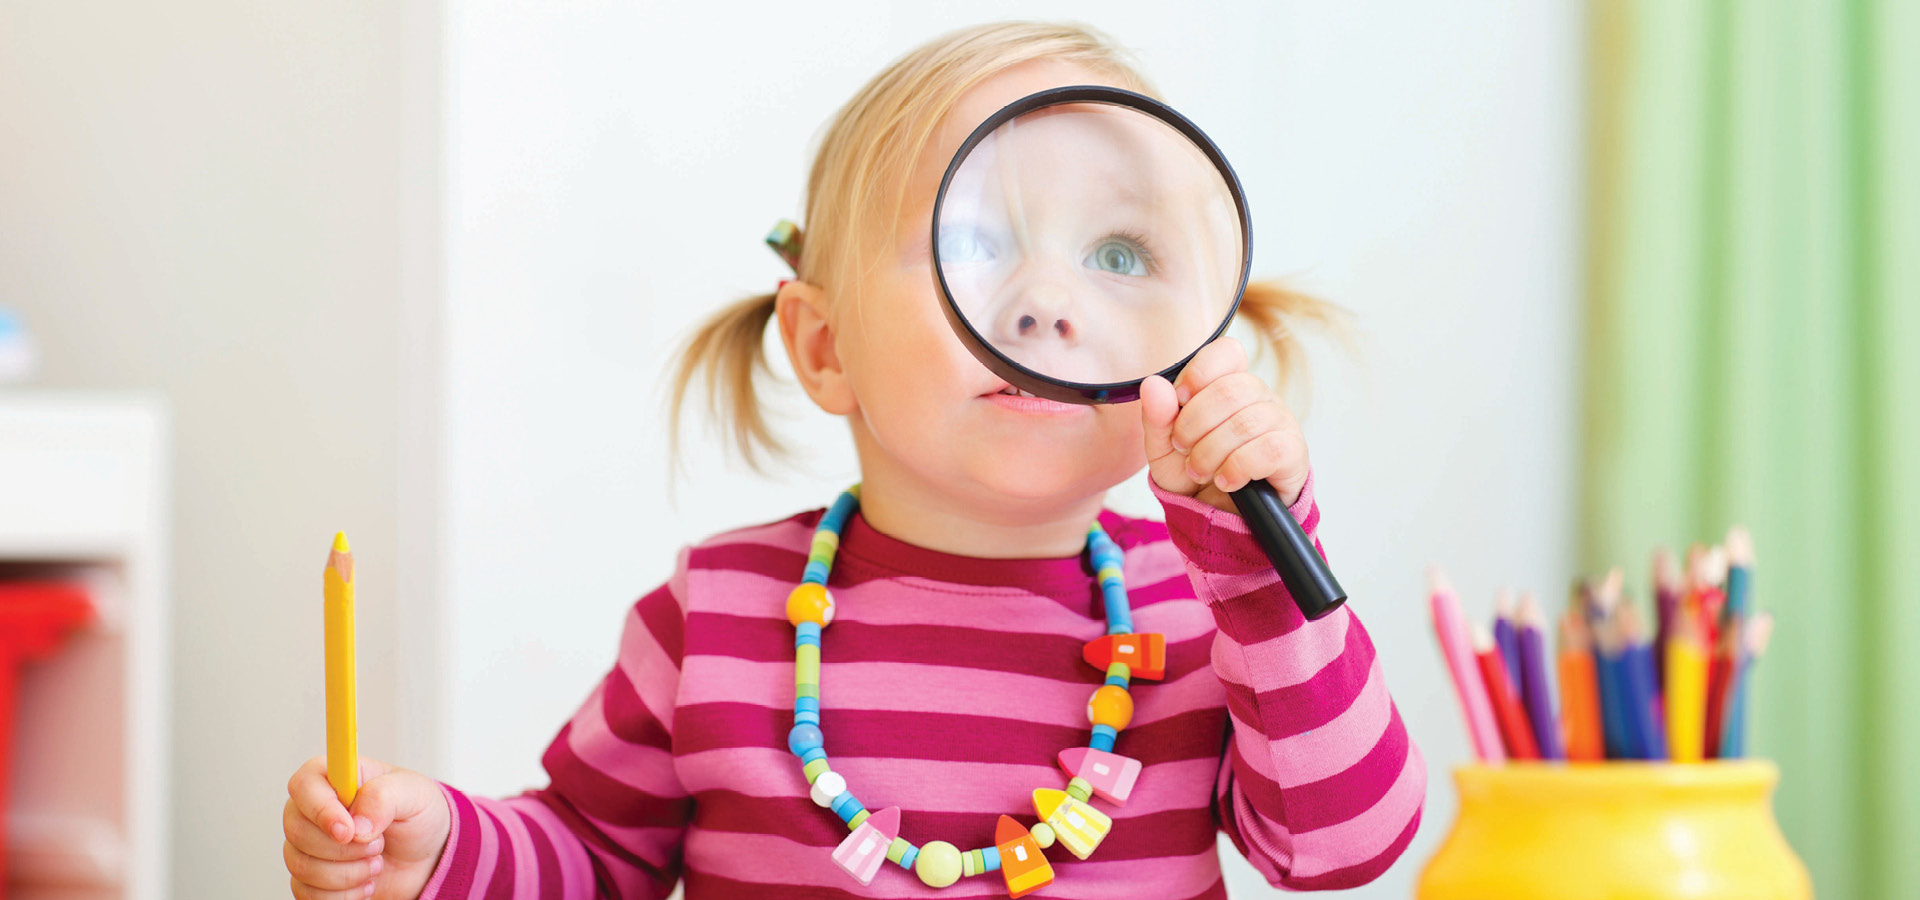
[(1300, 566)]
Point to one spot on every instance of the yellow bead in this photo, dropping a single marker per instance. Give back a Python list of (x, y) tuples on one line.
[(938, 864), (1043, 835), (810, 602), (1111, 705)]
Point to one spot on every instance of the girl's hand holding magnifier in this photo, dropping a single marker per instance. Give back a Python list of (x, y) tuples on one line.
[(1218, 427)]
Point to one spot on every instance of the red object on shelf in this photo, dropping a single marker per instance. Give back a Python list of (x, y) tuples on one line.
[(34, 617)]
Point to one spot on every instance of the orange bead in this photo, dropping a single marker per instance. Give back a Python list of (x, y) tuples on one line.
[(1110, 705), (810, 603)]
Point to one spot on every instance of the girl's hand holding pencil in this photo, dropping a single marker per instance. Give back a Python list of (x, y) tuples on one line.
[(1218, 427), (385, 847), (356, 827)]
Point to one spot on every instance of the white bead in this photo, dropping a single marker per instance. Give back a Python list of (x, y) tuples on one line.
[(828, 786)]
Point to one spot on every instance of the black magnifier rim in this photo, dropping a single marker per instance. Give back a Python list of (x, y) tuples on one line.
[(999, 363)]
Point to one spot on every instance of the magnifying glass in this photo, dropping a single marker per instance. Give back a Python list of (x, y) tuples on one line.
[(1086, 238)]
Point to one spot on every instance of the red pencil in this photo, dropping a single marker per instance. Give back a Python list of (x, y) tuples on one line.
[(1719, 684), (1514, 729)]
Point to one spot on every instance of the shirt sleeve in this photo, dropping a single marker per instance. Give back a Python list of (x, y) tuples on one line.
[(612, 820), (1320, 786)]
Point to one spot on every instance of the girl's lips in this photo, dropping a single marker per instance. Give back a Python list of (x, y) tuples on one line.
[(1038, 406)]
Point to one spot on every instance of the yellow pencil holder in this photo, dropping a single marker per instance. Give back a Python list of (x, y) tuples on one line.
[(1618, 831)]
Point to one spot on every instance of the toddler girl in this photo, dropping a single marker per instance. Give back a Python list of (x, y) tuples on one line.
[(759, 736)]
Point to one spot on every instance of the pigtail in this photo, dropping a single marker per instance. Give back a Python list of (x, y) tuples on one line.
[(1276, 313), (729, 349)]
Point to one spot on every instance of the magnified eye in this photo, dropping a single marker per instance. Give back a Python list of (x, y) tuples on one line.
[(964, 245), (1118, 257)]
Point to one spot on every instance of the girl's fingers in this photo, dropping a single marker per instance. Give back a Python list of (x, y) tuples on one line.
[(1263, 457), (1157, 411), (313, 795), (1247, 424), (1222, 357), (1165, 465), (330, 875), (308, 838), (1214, 405)]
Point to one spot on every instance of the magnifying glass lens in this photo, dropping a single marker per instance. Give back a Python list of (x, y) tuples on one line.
[(1090, 243)]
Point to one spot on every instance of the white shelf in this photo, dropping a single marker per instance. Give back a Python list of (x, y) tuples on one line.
[(84, 482)]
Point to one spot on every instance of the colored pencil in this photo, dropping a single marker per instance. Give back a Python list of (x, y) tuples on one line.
[(1643, 694), (1616, 727), (1687, 682), (1753, 644), (1580, 690), (1534, 689), (1450, 626), (1505, 637), (1514, 729), (343, 764), (1719, 680), (1666, 603)]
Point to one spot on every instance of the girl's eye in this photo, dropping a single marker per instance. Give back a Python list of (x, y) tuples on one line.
[(1119, 258), (964, 245)]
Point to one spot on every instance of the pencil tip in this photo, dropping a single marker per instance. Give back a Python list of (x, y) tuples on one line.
[(1740, 546), (1437, 582), (340, 542)]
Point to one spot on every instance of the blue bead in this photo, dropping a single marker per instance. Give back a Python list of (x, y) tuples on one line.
[(811, 755), (815, 572), (806, 704), (806, 633), (838, 513), (846, 807), (805, 737), (908, 856), (1103, 736), (1119, 681), (810, 717), (990, 859)]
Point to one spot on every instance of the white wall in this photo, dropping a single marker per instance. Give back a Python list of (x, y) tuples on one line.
[(612, 170), (208, 199)]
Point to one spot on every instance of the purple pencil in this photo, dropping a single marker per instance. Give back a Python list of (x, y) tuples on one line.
[(1504, 636), (1534, 689)]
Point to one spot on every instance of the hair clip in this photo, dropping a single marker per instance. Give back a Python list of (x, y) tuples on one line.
[(785, 240)]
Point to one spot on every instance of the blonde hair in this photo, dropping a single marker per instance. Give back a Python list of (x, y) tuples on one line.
[(858, 174)]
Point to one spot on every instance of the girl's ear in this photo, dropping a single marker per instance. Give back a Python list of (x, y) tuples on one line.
[(808, 334)]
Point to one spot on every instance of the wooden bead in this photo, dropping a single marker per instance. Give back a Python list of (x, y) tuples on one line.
[(867, 847), (1042, 835), (1080, 790), (829, 785), (1077, 826), (1144, 654), (938, 864), (810, 602), (1021, 862), (1110, 706), (1111, 775)]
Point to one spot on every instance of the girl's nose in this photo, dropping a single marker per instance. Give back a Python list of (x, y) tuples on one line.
[(1040, 314)]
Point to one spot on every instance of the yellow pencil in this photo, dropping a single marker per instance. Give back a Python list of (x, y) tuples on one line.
[(343, 763), (1686, 687)]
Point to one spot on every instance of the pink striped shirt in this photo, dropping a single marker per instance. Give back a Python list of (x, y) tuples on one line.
[(948, 685)]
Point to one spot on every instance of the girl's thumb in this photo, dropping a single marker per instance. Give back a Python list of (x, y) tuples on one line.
[(383, 800)]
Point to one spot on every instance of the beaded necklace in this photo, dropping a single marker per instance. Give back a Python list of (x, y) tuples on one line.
[(1066, 816)]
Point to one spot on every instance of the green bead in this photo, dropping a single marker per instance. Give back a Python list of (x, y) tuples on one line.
[(938, 864), (806, 664), (813, 770), (1079, 789), (898, 849), (1119, 670), (807, 690), (861, 816), (1042, 835)]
